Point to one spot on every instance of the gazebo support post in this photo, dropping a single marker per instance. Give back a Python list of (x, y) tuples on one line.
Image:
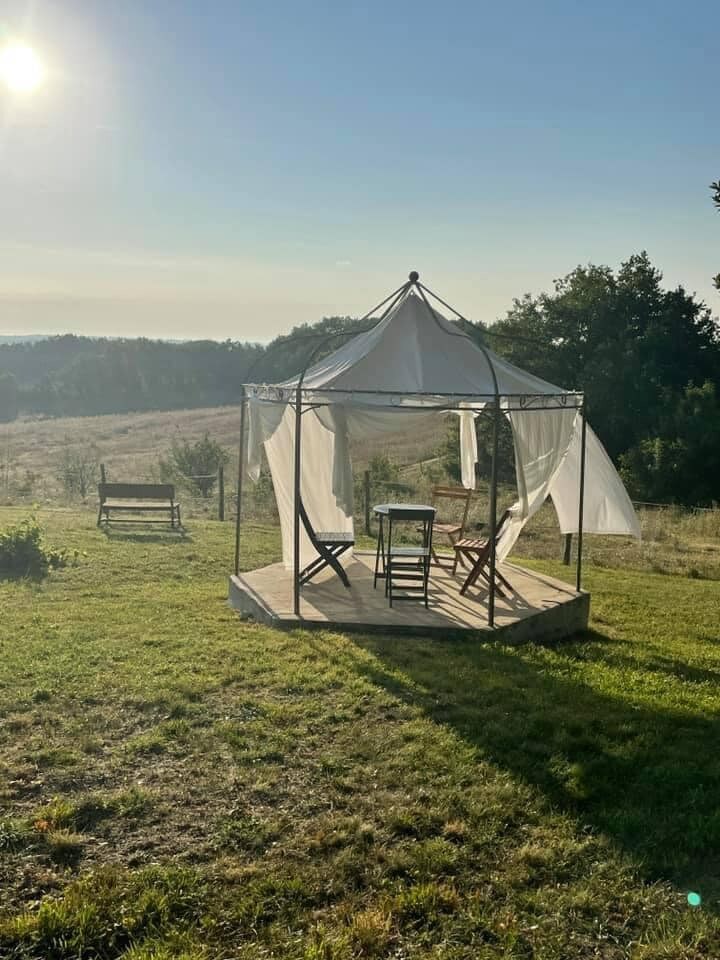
[(296, 500), (581, 498), (493, 511), (241, 466)]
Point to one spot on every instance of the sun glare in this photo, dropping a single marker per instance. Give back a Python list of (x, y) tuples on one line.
[(20, 68)]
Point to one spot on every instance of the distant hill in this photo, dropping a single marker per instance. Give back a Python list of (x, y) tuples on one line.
[(29, 338), (84, 376), (68, 375)]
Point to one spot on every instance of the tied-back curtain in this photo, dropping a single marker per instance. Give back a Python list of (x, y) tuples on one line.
[(468, 449)]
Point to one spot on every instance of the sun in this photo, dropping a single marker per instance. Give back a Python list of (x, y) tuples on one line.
[(20, 68)]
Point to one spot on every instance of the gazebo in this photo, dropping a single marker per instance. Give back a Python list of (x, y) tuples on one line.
[(411, 366)]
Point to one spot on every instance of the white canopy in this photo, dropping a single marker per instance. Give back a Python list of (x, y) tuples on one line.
[(412, 366)]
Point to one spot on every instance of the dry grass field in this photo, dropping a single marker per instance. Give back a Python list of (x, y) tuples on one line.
[(131, 444)]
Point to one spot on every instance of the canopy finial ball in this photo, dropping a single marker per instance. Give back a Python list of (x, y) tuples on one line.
[(413, 276)]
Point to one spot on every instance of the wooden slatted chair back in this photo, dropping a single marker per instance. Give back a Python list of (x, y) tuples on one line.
[(136, 491), (459, 496)]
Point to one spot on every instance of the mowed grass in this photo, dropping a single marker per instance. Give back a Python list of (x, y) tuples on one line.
[(175, 783)]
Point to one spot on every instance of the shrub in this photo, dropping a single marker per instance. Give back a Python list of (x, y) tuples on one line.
[(64, 847), (14, 835), (196, 462), (78, 468), (23, 553)]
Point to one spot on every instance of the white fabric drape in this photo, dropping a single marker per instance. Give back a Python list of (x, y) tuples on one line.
[(276, 430), (547, 457), (468, 449), (541, 440), (607, 508)]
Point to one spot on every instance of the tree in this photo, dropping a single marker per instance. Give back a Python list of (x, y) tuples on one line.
[(197, 463), (630, 345), (715, 187), (681, 464)]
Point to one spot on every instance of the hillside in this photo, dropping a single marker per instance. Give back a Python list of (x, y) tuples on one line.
[(130, 445), (85, 376)]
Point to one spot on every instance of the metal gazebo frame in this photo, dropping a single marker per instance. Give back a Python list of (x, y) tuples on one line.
[(301, 405)]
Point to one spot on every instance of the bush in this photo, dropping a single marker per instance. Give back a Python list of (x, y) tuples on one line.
[(78, 468), (23, 553), (197, 463)]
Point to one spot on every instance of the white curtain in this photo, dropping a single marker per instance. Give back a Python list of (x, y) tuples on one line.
[(361, 424), (274, 426), (468, 449), (541, 437), (606, 505), (547, 455)]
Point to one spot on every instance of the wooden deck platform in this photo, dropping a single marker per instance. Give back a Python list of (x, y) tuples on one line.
[(541, 607)]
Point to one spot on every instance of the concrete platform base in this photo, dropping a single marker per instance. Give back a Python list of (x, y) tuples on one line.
[(540, 608)]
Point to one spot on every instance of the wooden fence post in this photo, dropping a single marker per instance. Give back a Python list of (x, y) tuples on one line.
[(221, 492), (567, 550), (366, 497), (102, 473)]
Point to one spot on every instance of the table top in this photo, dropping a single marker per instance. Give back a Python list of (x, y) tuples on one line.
[(384, 508)]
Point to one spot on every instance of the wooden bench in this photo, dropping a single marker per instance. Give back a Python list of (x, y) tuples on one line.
[(138, 498)]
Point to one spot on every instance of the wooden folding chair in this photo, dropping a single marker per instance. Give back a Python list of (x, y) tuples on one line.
[(408, 565), (477, 552), (329, 546), (453, 529)]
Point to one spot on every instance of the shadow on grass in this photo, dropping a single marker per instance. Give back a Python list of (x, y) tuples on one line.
[(647, 778), (15, 576), (120, 532)]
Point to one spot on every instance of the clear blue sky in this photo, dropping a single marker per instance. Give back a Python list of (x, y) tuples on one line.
[(227, 168)]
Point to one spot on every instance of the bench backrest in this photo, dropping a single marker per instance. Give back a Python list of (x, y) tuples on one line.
[(136, 491)]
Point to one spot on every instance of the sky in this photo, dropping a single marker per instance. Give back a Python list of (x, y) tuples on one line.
[(232, 168)]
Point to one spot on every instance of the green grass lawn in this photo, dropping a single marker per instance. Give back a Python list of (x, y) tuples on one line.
[(175, 783)]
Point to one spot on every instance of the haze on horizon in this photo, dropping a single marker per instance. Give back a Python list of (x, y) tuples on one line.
[(220, 170)]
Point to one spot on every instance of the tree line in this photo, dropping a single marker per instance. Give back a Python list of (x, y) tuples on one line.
[(647, 358), (648, 361)]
